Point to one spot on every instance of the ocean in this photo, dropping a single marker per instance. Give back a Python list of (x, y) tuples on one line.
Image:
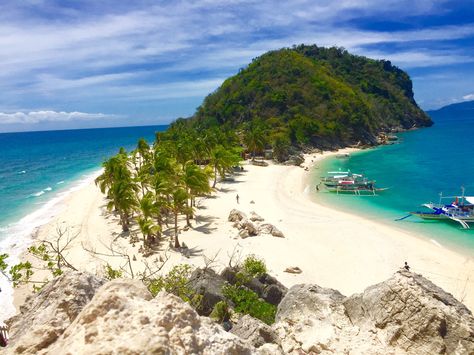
[(38, 169), (420, 166)]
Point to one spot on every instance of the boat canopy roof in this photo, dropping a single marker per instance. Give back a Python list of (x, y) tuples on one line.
[(469, 199), (339, 172)]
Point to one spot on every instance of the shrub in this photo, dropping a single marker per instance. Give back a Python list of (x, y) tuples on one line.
[(247, 302), (221, 312), (112, 274), (177, 283), (253, 266)]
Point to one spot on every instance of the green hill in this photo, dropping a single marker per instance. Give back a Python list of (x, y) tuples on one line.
[(309, 95)]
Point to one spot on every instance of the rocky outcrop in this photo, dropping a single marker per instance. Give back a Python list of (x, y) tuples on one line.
[(252, 226), (78, 313), (406, 314), (411, 313), (44, 317), (236, 216), (121, 318), (254, 331), (265, 286), (208, 284)]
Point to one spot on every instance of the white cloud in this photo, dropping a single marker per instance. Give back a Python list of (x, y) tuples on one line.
[(47, 116), (184, 48), (468, 97)]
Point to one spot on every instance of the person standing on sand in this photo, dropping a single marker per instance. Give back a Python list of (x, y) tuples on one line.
[(237, 198)]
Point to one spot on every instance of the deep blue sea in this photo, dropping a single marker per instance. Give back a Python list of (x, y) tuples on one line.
[(37, 169), (421, 165)]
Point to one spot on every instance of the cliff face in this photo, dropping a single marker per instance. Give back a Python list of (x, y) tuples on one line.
[(407, 314), (318, 96)]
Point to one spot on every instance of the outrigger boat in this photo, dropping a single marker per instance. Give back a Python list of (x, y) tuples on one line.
[(348, 182), (460, 210)]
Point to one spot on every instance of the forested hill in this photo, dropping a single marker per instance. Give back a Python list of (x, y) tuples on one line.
[(317, 96)]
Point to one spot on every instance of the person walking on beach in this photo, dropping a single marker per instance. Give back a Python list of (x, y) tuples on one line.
[(237, 198)]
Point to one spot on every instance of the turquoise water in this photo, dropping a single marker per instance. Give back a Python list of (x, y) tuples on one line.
[(424, 163), (38, 169)]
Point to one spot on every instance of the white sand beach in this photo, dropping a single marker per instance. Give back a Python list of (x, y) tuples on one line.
[(332, 248)]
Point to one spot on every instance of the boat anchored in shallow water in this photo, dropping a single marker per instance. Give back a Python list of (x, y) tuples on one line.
[(460, 210), (348, 182)]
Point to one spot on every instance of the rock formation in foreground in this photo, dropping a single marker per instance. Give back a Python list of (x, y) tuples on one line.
[(80, 314)]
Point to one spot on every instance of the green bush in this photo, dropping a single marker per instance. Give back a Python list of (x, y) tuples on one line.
[(247, 302), (253, 266), (221, 312), (177, 283), (112, 274)]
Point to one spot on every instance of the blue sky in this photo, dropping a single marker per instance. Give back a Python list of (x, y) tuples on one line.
[(90, 63)]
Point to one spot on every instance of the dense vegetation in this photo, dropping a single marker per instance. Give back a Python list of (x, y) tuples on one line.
[(155, 185), (308, 95)]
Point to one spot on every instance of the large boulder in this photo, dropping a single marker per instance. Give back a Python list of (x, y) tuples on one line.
[(45, 316), (236, 216), (254, 331), (208, 284), (124, 318), (411, 313), (406, 314)]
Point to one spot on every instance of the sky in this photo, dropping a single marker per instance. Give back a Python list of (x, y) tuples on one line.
[(99, 63)]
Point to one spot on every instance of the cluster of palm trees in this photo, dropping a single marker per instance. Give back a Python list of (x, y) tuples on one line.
[(155, 185)]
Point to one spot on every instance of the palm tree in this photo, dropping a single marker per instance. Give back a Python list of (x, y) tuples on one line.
[(122, 198), (178, 204), (255, 139), (222, 160), (148, 209), (196, 182), (116, 181)]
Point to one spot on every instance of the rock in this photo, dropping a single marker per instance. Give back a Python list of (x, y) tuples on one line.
[(46, 315), (406, 314), (277, 233), (307, 318), (122, 318), (249, 226), (296, 159), (273, 294), (293, 270), (208, 284), (229, 275), (268, 288), (254, 217), (252, 202), (265, 228), (414, 315), (254, 331), (244, 233), (236, 216), (269, 349)]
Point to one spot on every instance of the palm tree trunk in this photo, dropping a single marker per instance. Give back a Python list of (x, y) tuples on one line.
[(176, 241), (215, 176)]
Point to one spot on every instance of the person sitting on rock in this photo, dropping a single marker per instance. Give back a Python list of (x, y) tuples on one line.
[(406, 267)]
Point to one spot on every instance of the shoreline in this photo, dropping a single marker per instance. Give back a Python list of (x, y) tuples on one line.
[(333, 248), (23, 232)]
